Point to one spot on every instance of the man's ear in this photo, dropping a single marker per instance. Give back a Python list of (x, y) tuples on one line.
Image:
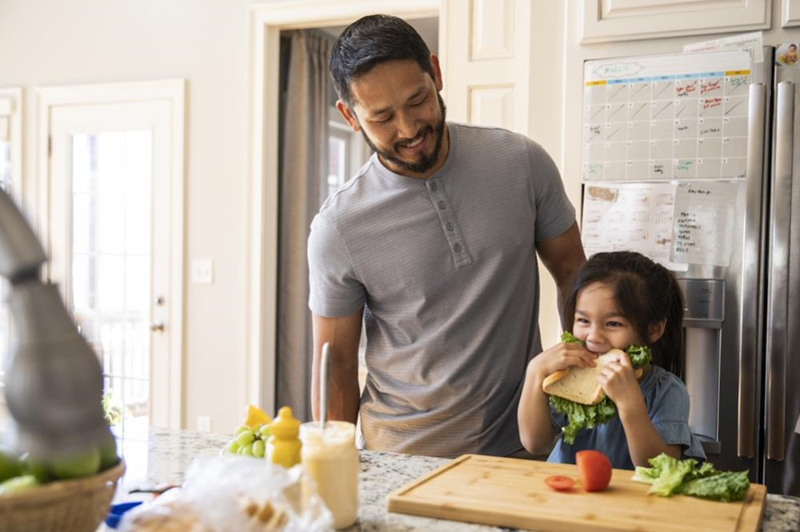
[(348, 115), (656, 330), (437, 72)]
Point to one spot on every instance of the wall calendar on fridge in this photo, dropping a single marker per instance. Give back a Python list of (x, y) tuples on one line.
[(666, 117)]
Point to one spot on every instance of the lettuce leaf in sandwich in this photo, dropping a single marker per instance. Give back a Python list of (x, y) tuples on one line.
[(580, 416)]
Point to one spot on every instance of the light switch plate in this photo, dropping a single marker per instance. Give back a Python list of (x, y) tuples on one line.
[(202, 271), (204, 423)]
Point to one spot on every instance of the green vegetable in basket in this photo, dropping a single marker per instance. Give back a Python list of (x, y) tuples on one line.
[(37, 468), (77, 466), (17, 484), (108, 452), (10, 466)]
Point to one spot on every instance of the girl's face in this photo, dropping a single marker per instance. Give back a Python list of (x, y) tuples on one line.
[(598, 321)]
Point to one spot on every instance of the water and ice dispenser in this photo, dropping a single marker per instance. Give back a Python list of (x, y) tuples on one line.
[(702, 327)]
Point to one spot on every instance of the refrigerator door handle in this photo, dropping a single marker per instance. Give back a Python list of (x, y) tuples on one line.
[(778, 296), (748, 312)]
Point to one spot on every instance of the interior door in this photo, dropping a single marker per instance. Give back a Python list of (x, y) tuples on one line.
[(109, 243)]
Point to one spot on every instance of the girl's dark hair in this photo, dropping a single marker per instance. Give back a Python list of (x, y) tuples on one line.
[(372, 40), (645, 293)]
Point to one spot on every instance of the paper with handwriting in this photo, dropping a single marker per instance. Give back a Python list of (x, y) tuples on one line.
[(703, 222), (631, 217)]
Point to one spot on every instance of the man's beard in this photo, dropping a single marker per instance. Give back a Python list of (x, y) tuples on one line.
[(428, 161)]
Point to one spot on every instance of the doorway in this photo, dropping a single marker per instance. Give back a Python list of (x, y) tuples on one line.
[(266, 23), (318, 153), (113, 230)]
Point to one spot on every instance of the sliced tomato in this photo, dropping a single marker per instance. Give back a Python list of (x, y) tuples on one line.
[(559, 483), (595, 470)]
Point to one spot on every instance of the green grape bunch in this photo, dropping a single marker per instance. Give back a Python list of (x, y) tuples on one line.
[(248, 441)]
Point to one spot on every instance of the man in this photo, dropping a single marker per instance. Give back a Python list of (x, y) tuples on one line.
[(434, 243)]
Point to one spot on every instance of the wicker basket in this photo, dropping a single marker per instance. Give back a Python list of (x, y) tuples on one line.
[(63, 506)]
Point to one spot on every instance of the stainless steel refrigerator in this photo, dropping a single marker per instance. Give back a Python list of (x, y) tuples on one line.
[(742, 319)]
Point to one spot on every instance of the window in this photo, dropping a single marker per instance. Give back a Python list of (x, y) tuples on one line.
[(111, 176), (338, 141), (347, 151)]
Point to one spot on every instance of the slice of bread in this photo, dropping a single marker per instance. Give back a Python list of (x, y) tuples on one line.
[(580, 384)]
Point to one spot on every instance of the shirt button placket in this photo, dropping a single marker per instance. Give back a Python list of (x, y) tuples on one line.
[(461, 255)]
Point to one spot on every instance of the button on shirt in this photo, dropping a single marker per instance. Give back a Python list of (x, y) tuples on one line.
[(446, 270)]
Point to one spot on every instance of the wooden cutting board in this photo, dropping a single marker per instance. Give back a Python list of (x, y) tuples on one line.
[(512, 493)]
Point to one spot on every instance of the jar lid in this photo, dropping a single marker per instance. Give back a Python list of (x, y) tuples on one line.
[(285, 425), (334, 432)]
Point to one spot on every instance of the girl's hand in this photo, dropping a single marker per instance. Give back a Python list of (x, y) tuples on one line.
[(558, 357), (620, 384)]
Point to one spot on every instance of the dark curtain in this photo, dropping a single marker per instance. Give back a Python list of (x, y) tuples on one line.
[(303, 168)]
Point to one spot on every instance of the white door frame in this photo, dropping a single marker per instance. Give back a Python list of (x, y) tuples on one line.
[(172, 91), (12, 107), (12, 97), (265, 22)]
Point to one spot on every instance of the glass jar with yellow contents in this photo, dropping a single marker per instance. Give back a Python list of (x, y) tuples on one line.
[(330, 457)]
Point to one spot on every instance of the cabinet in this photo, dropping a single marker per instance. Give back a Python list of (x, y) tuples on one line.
[(622, 20), (790, 13)]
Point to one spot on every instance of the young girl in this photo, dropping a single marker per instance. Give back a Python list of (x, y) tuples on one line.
[(618, 300)]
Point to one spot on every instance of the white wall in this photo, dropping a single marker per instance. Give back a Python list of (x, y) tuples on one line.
[(59, 42), (546, 112)]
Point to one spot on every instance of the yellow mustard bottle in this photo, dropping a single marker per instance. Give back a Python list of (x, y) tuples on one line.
[(283, 447)]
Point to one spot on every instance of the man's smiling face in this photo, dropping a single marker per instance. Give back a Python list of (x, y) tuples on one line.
[(398, 109)]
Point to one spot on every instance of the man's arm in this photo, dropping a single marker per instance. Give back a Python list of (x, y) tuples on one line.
[(562, 256), (343, 335)]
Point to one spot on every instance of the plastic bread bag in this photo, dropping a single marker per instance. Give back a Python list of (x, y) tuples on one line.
[(235, 494)]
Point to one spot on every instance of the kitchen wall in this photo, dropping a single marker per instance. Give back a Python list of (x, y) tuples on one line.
[(48, 42)]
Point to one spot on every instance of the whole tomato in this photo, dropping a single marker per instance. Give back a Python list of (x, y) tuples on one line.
[(595, 470)]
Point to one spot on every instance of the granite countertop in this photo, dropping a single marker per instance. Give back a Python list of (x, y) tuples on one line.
[(165, 455)]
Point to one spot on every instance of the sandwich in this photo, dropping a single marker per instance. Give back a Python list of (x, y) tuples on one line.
[(576, 392), (580, 384)]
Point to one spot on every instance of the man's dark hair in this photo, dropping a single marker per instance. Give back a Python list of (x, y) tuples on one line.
[(372, 40)]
